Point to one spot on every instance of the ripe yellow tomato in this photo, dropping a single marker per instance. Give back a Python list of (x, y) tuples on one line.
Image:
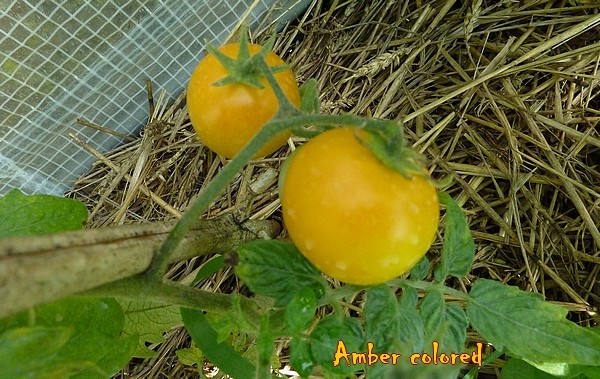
[(355, 219), (226, 117)]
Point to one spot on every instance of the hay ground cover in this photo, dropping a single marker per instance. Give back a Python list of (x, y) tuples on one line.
[(501, 97)]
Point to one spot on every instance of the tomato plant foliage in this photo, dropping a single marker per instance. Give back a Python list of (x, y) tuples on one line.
[(24, 215)]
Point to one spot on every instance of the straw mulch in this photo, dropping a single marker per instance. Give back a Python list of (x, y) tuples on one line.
[(502, 97)]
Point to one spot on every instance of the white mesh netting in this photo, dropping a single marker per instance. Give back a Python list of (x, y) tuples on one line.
[(90, 59)]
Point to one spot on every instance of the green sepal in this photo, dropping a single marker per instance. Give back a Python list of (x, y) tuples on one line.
[(245, 68), (386, 142)]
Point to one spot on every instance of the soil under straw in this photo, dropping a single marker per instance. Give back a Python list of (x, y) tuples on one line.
[(501, 97)]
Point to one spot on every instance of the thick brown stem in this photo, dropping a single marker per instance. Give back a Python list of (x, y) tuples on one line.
[(36, 270)]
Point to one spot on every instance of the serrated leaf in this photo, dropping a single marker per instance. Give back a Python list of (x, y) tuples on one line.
[(556, 369), (443, 323), (420, 270), (24, 215), (381, 318), (119, 352), (458, 250), (409, 298), (301, 357), (95, 347), (300, 312), (333, 341), (381, 325), (277, 269), (149, 321), (223, 324), (411, 332), (455, 332), (525, 326), (98, 337), (581, 371), (219, 353), (431, 309)]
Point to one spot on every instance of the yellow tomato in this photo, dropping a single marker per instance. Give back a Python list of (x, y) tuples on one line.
[(355, 219), (226, 117)]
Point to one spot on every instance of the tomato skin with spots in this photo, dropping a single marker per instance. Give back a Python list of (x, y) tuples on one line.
[(352, 217), (227, 117)]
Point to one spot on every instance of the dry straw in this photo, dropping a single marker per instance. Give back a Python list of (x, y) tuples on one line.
[(501, 96)]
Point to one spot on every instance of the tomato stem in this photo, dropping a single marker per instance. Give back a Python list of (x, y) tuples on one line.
[(285, 107), (138, 286)]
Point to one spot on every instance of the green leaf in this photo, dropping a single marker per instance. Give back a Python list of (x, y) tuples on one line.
[(381, 325), (333, 341), (557, 369), (149, 322), (310, 97), (455, 334), (233, 321), (517, 369), (300, 312), (87, 340), (444, 324), (84, 314), (431, 309), (209, 267), (277, 269), (565, 369), (118, 352), (223, 324), (381, 318), (301, 358), (525, 326), (32, 351), (458, 251), (411, 332), (190, 356), (219, 353), (422, 371), (409, 298), (589, 373), (386, 142), (24, 215), (420, 270), (578, 371), (474, 371)]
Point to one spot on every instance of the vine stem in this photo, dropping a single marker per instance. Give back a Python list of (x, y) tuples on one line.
[(170, 293)]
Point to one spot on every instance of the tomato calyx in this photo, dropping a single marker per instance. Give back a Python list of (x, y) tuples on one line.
[(245, 69), (386, 142)]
